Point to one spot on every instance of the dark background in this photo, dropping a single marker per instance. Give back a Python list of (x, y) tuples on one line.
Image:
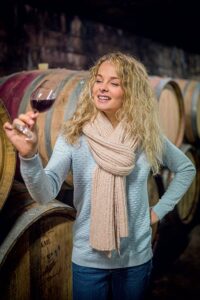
[(164, 35), (171, 22)]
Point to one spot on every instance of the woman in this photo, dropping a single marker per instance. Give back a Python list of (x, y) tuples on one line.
[(111, 143)]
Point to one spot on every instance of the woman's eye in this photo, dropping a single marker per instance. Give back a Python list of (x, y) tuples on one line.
[(115, 83), (98, 80)]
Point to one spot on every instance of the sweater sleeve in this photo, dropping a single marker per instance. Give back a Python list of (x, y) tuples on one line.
[(184, 171), (44, 184)]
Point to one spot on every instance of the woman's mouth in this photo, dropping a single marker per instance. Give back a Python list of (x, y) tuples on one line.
[(103, 99)]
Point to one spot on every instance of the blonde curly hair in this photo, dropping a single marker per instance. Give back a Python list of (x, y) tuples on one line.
[(139, 111)]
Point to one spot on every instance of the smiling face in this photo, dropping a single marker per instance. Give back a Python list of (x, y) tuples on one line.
[(107, 91)]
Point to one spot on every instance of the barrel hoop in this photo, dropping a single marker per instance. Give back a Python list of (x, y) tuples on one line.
[(185, 87), (162, 83), (71, 107), (195, 97)]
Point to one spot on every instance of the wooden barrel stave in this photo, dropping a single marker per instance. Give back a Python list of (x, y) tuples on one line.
[(7, 158)]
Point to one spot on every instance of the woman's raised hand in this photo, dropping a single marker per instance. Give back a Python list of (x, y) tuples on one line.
[(25, 146)]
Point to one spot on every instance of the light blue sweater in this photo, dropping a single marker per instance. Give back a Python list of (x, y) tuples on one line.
[(44, 185)]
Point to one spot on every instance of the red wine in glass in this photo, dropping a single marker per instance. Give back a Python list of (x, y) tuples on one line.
[(41, 99), (44, 96), (42, 105)]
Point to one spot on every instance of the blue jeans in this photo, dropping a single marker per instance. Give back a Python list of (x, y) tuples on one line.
[(105, 284)]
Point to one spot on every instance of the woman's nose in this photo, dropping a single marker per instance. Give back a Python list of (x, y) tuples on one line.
[(104, 88)]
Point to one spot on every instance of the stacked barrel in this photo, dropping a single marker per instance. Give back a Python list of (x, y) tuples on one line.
[(35, 240), (38, 234), (179, 111)]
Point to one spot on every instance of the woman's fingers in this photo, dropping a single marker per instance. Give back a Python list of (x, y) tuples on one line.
[(26, 124), (23, 133), (29, 118), (8, 126), (25, 130)]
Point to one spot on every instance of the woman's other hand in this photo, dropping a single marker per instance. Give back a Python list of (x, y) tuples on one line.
[(153, 217)]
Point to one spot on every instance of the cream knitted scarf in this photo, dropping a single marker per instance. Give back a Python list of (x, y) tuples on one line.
[(113, 151)]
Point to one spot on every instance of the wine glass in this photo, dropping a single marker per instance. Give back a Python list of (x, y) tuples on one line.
[(41, 99)]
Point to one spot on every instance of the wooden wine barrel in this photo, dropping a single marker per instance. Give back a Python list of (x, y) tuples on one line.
[(7, 158), (35, 250), (50, 122), (187, 207), (191, 96), (171, 108)]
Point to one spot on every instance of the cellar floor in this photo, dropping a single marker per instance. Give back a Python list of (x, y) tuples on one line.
[(182, 279)]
